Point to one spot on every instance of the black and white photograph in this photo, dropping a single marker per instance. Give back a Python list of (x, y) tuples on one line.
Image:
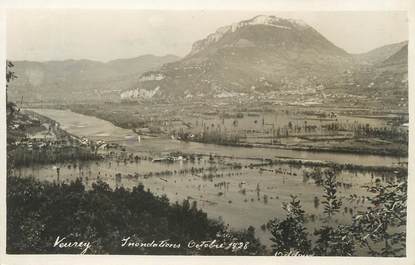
[(206, 132)]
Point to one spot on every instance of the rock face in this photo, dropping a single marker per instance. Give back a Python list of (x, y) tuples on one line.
[(260, 55)]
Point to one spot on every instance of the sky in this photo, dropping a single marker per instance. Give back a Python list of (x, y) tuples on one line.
[(103, 35)]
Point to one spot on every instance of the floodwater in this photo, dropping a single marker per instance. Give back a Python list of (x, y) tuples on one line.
[(98, 129), (241, 196)]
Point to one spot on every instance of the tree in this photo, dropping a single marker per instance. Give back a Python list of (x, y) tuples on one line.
[(9, 75), (382, 228), (10, 106), (332, 241), (331, 203), (289, 235), (39, 211)]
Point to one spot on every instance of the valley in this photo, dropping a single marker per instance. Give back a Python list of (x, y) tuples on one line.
[(264, 130)]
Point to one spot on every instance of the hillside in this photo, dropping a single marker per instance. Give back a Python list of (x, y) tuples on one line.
[(381, 85), (84, 79), (380, 54), (398, 58)]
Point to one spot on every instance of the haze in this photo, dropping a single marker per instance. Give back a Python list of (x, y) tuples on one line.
[(59, 34)]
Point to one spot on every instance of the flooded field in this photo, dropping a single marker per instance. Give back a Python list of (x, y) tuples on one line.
[(224, 181), (98, 129), (225, 188)]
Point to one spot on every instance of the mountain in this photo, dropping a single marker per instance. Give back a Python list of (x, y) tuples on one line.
[(264, 58), (75, 80), (256, 56), (380, 54), (383, 84), (392, 77), (398, 58)]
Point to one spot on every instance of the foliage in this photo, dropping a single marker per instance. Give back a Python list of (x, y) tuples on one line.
[(334, 241), (390, 133), (9, 77), (211, 136), (9, 73), (378, 228), (38, 212), (331, 203), (23, 156), (289, 235), (379, 231)]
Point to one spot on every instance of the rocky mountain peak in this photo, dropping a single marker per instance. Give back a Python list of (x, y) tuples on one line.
[(263, 20)]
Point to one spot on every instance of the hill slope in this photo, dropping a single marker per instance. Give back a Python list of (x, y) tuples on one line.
[(398, 58), (74, 80), (380, 54)]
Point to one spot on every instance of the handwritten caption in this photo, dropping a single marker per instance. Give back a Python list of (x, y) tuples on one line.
[(129, 242)]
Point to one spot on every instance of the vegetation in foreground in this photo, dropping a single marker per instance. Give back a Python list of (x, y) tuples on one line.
[(378, 231), (38, 212)]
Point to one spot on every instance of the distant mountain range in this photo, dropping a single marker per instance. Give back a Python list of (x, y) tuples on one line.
[(265, 58), (76, 80), (278, 59), (263, 54)]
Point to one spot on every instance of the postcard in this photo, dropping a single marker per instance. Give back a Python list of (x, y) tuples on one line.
[(227, 135)]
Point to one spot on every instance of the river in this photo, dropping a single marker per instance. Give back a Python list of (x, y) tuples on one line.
[(98, 129)]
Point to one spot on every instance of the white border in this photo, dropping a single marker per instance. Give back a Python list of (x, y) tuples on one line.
[(260, 5)]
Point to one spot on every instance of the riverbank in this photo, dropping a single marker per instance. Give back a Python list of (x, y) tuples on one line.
[(36, 139), (396, 150)]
